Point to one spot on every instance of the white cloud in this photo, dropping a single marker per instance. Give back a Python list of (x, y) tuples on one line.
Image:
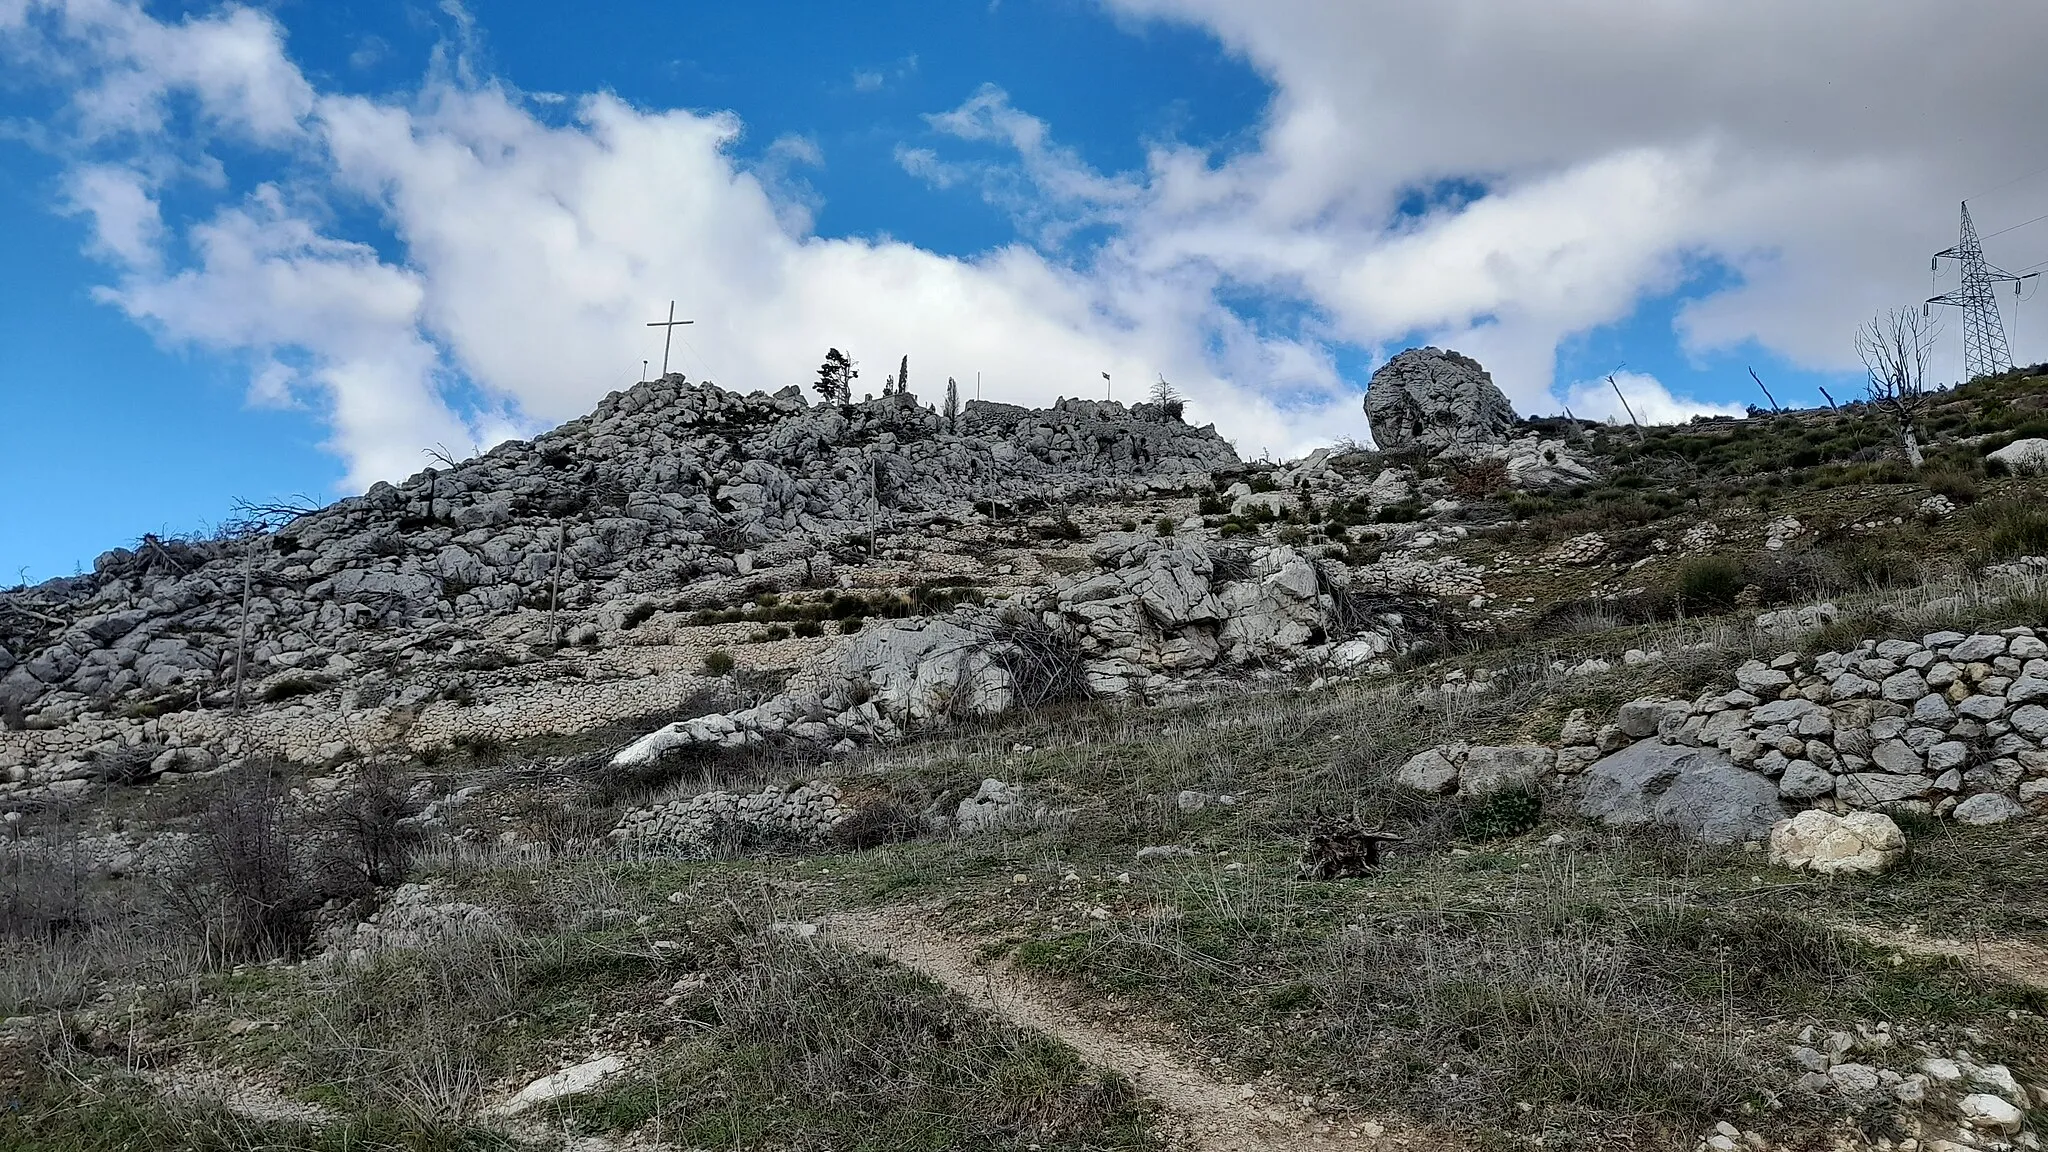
[(127, 223), (791, 148), (1811, 150), (867, 80), (369, 52), (1647, 398), (1817, 150), (531, 255)]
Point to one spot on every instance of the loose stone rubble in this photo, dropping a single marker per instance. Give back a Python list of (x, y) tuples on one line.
[(710, 824)]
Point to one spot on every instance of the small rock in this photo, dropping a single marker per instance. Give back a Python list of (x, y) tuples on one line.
[(1987, 808), (1987, 1111), (568, 1082), (1854, 1079)]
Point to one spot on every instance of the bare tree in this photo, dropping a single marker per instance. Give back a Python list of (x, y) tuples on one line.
[(1168, 399), (1894, 346)]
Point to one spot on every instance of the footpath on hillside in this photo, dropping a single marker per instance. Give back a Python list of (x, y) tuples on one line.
[(1202, 1113)]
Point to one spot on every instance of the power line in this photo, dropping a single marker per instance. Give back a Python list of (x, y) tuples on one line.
[(2009, 183), (2021, 224)]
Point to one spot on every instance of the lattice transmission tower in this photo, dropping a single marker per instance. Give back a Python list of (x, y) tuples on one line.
[(1985, 351)]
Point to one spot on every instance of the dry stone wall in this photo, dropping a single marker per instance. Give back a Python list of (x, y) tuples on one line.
[(1950, 724)]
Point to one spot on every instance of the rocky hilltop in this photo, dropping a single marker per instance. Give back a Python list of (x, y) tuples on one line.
[(666, 486)]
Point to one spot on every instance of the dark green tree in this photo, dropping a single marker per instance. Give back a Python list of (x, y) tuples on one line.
[(835, 377)]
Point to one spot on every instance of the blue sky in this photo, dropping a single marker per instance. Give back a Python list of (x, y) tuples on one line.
[(279, 250)]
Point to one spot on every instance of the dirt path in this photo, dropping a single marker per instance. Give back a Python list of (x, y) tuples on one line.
[(2012, 960), (1203, 1114)]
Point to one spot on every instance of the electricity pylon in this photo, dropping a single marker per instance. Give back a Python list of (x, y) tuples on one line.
[(1985, 351)]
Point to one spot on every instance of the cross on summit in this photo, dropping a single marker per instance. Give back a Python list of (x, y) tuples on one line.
[(668, 329)]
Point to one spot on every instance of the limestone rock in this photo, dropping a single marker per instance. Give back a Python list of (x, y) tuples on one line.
[(1987, 808), (1428, 771), (1695, 791), (1432, 399), (1987, 1111), (568, 1082), (1488, 770), (2025, 455), (1863, 843)]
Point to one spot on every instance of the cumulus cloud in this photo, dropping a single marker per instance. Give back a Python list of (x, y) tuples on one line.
[(127, 223), (1569, 162), (529, 256), (1648, 400), (1817, 152)]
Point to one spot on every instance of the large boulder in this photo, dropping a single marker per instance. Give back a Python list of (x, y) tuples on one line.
[(935, 668), (1433, 399), (1698, 792), (2026, 455), (1513, 768), (1862, 843)]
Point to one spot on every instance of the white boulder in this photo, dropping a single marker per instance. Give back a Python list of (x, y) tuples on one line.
[(1860, 843)]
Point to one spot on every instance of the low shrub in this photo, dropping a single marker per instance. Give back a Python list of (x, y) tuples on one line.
[(718, 662), (2009, 528), (1960, 487), (1707, 584), (1479, 479), (1501, 816)]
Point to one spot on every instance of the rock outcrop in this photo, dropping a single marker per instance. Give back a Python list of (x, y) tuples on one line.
[(1153, 613), (666, 486), (1431, 400)]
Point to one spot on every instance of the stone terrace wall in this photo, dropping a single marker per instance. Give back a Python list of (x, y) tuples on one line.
[(1950, 724)]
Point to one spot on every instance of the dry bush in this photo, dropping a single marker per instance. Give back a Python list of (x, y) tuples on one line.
[(367, 822), (415, 1030), (253, 877), (42, 883), (1479, 479), (1045, 666), (1450, 1019), (860, 1053)]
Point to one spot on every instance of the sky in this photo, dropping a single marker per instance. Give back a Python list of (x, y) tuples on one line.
[(281, 251)]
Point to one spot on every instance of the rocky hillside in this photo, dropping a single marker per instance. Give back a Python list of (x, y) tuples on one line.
[(666, 488), (726, 771)]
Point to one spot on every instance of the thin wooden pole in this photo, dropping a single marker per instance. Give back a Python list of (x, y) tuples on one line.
[(242, 636), (555, 587), (1624, 406), (1767, 392)]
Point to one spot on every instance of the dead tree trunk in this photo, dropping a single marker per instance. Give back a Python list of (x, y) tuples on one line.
[(242, 631), (555, 588)]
